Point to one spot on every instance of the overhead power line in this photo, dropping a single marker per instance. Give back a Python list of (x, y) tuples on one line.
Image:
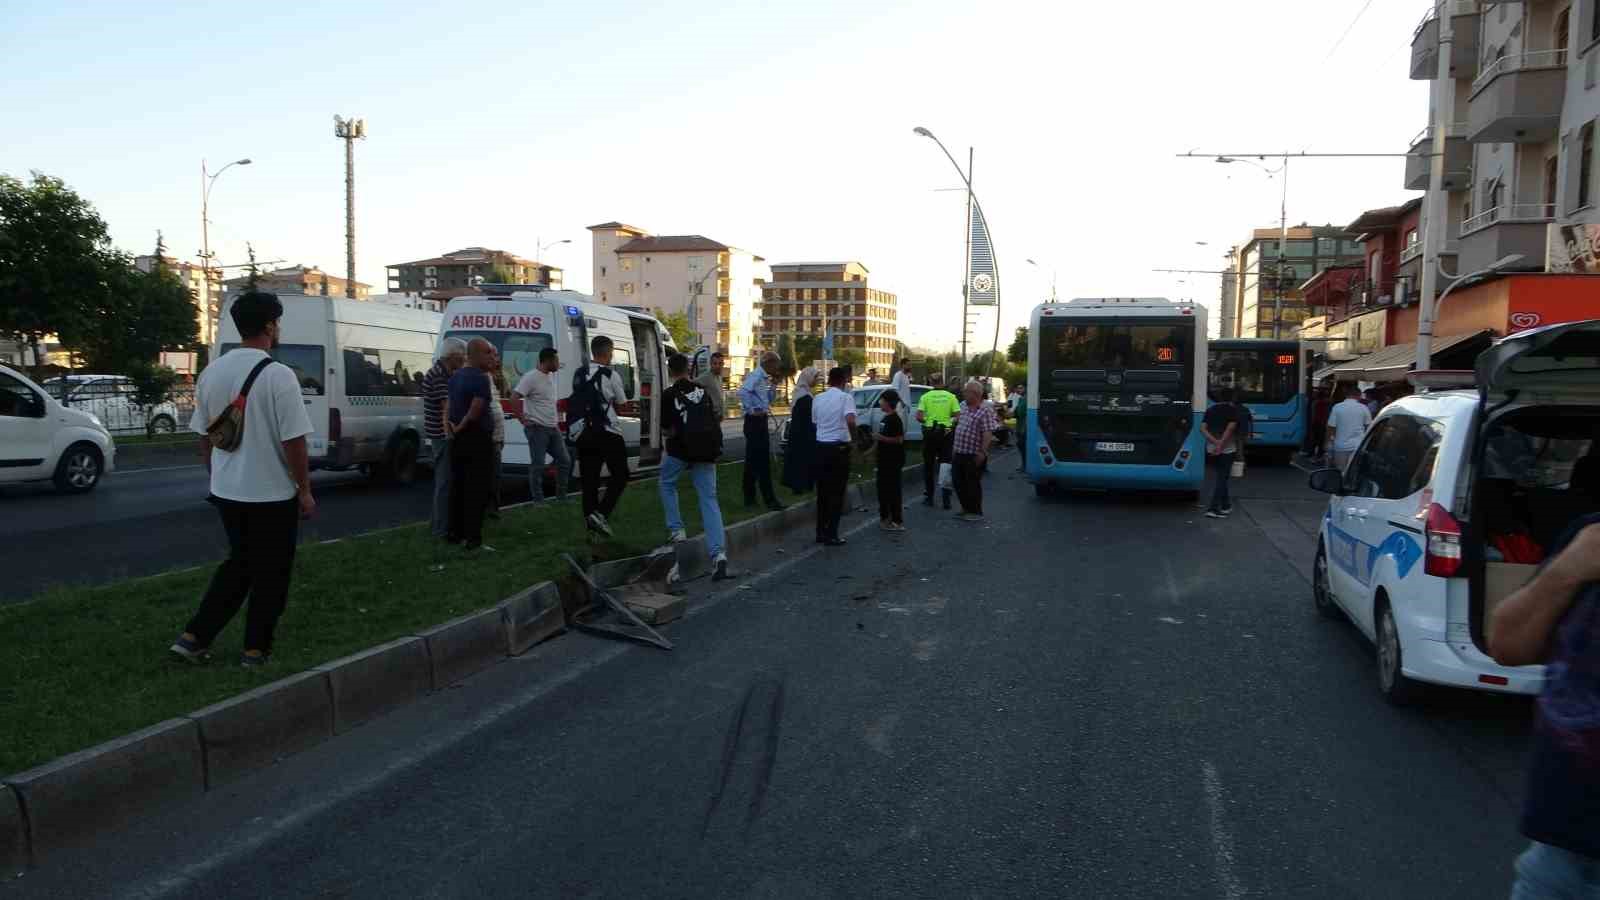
[(1348, 28)]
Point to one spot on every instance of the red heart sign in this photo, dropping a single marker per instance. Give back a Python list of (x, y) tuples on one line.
[(1521, 320)]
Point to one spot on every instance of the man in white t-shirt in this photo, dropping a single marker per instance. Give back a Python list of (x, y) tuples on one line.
[(1347, 425), (601, 446), (902, 386), (834, 413), (537, 390), (262, 488)]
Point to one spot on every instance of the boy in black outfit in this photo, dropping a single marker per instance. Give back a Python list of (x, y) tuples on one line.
[(891, 441)]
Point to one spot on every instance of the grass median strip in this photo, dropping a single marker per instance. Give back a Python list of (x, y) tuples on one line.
[(83, 665)]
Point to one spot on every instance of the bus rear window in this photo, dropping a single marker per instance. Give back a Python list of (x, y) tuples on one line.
[(1090, 345), (1258, 375)]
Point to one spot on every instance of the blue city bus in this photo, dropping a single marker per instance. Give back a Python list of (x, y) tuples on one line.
[(1268, 376), (1116, 389)]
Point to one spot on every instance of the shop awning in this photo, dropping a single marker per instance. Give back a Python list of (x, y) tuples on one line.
[(1395, 362)]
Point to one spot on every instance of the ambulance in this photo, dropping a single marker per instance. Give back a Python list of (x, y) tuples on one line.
[(521, 320)]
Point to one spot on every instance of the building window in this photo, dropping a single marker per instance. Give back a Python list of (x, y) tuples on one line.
[(430, 271), (430, 282), (1585, 164), (602, 271), (627, 288), (627, 264)]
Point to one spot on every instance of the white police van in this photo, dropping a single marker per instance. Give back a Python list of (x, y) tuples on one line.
[(1451, 501)]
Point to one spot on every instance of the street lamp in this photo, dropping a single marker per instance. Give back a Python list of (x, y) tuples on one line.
[(541, 248), (1052, 278), (1283, 232), (207, 179), (1425, 325), (966, 284)]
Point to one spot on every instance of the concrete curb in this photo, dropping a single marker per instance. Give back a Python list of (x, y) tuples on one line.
[(694, 557), (532, 616), (82, 794), (368, 684), (466, 645), (259, 727), (13, 833)]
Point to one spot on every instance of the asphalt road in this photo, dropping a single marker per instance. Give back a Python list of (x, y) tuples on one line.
[(1098, 696), (146, 519)]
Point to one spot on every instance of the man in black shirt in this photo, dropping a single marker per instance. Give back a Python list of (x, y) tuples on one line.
[(891, 441), (1221, 429)]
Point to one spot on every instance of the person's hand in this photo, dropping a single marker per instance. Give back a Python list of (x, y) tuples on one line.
[(308, 504), (1580, 561), (983, 457)]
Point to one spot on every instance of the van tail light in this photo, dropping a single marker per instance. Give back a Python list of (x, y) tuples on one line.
[(561, 415), (335, 428), (1443, 538)]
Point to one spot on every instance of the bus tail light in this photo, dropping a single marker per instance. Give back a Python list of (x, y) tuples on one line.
[(1442, 536), (561, 415), (335, 429)]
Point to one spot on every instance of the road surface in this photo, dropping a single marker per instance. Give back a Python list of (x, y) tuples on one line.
[(1100, 697), (140, 521)]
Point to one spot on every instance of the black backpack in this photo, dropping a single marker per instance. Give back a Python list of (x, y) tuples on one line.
[(699, 432), (588, 403)]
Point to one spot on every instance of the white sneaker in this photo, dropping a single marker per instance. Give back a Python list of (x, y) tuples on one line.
[(677, 536), (719, 567), (597, 522)]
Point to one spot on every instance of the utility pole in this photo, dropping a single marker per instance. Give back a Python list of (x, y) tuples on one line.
[(349, 130), (1435, 214), (966, 282), (1283, 248)]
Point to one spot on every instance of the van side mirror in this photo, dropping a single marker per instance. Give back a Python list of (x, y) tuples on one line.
[(1328, 481)]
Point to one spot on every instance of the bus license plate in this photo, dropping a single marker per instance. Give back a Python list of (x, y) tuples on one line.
[(1112, 447)]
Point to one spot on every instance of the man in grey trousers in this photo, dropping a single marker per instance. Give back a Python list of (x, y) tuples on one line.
[(435, 397)]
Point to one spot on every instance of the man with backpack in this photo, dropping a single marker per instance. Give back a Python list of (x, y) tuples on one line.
[(592, 422), (253, 425), (694, 442)]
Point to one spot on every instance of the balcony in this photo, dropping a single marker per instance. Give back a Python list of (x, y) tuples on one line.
[(1425, 40), (1515, 228), (1457, 159), (1517, 99)]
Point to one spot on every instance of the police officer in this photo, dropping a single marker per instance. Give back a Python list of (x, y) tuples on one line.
[(936, 411)]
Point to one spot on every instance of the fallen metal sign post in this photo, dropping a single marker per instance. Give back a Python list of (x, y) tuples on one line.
[(637, 631)]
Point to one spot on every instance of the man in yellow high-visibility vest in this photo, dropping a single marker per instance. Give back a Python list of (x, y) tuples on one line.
[(936, 411)]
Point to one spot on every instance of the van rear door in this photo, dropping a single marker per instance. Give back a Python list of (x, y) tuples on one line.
[(1556, 364), (652, 378)]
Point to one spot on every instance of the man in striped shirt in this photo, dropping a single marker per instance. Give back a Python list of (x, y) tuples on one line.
[(435, 397)]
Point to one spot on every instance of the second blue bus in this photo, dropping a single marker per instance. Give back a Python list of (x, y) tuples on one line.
[(1267, 377), (1116, 389)]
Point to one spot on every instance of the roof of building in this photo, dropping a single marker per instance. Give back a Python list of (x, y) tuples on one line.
[(821, 265), (1296, 233), (672, 243), (1388, 216), (468, 256), (620, 226)]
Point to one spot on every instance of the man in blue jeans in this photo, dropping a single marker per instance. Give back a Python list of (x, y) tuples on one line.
[(435, 398), (694, 440), (537, 391), (1555, 619)]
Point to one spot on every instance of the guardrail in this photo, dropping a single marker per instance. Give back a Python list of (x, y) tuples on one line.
[(1517, 62)]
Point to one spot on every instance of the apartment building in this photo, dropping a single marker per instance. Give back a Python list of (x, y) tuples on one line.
[(716, 285), (459, 272), (804, 296), (1524, 94), (194, 278), (299, 279), (1351, 303), (1267, 289)]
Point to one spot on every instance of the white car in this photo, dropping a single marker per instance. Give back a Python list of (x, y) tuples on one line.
[(41, 440), (110, 398), (869, 415), (1449, 505)]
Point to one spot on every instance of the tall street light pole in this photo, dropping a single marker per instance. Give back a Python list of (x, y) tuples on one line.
[(966, 282), (1052, 278), (206, 181), (1283, 235), (349, 130), (541, 247)]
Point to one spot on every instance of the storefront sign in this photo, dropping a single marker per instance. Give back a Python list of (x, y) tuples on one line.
[(1366, 332), (1573, 248)]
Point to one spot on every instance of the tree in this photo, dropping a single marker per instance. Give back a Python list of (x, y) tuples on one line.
[(787, 364), (901, 351), (853, 357), (807, 349), (252, 275), (52, 249), (1018, 351), (136, 315), (502, 275), (678, 326)]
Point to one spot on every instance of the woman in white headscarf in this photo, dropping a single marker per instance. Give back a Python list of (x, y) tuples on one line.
[(800, 454)]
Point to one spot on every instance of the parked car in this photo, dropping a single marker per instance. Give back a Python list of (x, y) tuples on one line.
[(1448, 504), (110, 398), (869, 416), (40, 439)]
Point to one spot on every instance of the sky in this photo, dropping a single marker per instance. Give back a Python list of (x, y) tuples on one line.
[(780, 127)]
